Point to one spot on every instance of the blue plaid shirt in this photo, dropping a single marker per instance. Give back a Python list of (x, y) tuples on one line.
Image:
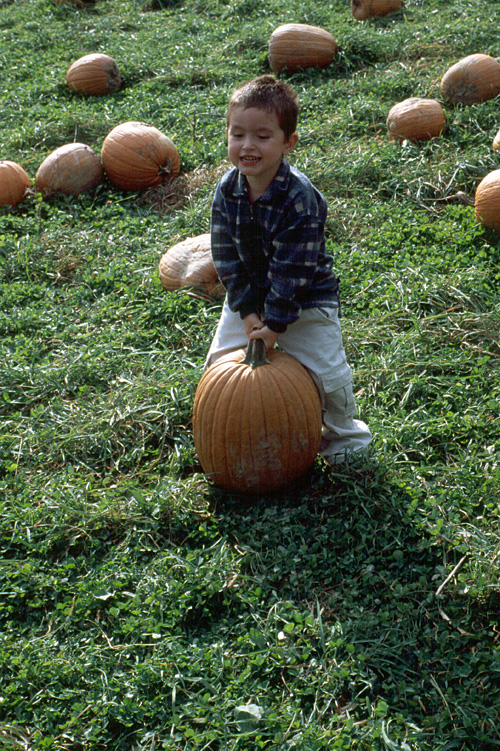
[(270, 255)]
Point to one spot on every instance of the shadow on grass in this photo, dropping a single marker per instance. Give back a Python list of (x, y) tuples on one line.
[(348, 545), (335, 526)]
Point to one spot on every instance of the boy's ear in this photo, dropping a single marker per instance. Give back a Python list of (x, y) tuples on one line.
[(290, 143)]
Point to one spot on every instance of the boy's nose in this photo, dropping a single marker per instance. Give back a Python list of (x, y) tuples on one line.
[(248, 143)]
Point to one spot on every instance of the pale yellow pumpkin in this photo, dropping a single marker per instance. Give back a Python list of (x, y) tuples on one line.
[(416, 119), (71, 169), (14, 183), (475, 78), (363, 9), (189, 264), (294, 46), (487, 201)]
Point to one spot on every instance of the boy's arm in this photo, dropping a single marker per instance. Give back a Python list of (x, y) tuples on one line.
[(298, 251), (229, 267)]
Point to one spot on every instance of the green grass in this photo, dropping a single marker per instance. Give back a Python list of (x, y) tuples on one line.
[(143, 608)]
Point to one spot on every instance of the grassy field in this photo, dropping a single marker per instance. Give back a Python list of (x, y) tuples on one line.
[(143, 608)]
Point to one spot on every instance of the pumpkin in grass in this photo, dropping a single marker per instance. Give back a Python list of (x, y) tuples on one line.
[(293, 46), (496, 142), (487, 201), (256, 420), (189, 264), (71, 169), (475, 78), (78, 3), (95, 74), (137, 156), (14, 182), (416, 119), (363, 9)]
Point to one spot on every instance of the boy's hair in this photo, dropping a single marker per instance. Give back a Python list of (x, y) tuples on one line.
[(271, 94)]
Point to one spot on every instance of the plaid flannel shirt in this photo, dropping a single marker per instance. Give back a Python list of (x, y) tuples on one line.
[(270, 255)]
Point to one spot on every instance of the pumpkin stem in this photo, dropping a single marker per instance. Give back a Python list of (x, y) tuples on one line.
[(165, 170), (256, 354)]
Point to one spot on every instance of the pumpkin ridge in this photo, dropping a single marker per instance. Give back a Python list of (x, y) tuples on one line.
[(291, 417), (307, 396), (218, 419), (232, 404), (221, 421), (245, 432), (266, 447), (202, 412), (307, 406)]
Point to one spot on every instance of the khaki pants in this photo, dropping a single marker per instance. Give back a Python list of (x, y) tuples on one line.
[(315, 340)]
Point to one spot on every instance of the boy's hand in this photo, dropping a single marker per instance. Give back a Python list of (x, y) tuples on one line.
[(252, 322), (270, 337)]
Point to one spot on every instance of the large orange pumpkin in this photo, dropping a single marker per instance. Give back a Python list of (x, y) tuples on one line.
[(189, 264), (416, 119), (95, 74), (475, 78), (256, 421), (70, 169), (137, 156), (487, 201), (363, 9), (293, 46), (14, 182)]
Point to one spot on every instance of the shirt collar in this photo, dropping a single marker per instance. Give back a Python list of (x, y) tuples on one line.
[(279, 183)]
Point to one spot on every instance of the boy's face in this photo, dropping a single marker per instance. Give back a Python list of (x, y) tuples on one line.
[(256, 144)]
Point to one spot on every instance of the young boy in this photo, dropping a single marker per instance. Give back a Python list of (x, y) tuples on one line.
[(268, 246)]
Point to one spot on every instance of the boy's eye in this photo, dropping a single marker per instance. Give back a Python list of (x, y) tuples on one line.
[(263, 138)]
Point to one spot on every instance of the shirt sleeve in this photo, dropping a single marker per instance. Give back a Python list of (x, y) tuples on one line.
[(230, 269)]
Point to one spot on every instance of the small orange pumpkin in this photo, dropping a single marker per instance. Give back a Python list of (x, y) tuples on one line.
[(137, 156), (71, 169), (14, 182), (363, 9), (487, 201), (294, 46), (416, 119), (189, 264), (96, 74), (256, 420), (475, 78)]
